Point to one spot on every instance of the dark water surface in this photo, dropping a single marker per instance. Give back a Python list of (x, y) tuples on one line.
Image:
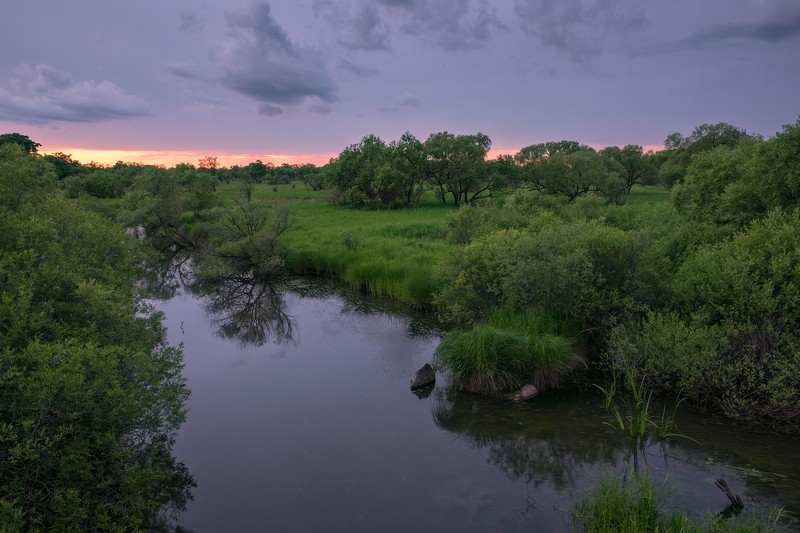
[(301, 419)]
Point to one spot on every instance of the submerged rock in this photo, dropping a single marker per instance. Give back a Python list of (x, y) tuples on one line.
[(527, 392), (423, 377)]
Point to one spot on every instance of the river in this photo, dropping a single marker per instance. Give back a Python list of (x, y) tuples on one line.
[(301, 419)]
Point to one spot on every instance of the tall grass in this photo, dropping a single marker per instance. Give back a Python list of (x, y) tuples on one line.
[(509, 349), (391, 253), (635, 505)]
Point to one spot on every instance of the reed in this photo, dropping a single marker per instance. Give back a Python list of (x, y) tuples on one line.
[(508, 350), (634, 504)]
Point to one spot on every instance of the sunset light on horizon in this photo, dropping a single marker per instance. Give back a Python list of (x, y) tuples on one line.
[(288, 82), (170, 158)]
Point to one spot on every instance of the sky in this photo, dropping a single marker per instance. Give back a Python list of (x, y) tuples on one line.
[(297, 81)]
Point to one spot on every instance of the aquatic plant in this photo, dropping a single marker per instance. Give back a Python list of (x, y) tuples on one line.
[(510, 348), (634, 504)]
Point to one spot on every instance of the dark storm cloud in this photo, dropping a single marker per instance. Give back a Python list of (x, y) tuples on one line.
[(397, 3), (269, 110), (361, 29), (779, 26), (321, 109), (358, 70), (259, 59), (581, 28), (45, 94), (454, 25)]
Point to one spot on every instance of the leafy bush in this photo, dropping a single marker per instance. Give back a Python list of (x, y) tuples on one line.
[(732, 339)]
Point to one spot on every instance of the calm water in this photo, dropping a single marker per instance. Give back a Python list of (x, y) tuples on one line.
[(301, 419)]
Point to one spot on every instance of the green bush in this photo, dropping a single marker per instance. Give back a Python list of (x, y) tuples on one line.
[(732, 338)]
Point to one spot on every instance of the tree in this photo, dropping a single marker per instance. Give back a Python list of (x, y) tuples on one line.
[(533, 160), (23, 178), (637, 167), (311, 176), (564, 169), (64, 164), (703, 138), (91, 393), (23, 141), (457, 166), (364, 175), (208, 162), (409, 159)]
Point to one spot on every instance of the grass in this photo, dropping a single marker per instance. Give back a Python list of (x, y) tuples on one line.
[(635, 505), (509, 349), (392, 253)]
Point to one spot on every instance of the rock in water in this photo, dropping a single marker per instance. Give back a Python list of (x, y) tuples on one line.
[(423, 377), (527, 392)]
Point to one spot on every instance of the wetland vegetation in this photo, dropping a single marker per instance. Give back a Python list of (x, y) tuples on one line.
[(679, 269)]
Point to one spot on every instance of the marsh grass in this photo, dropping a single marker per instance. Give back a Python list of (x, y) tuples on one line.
[(634, 504), (506, 351), (395, 253), (389, 253)]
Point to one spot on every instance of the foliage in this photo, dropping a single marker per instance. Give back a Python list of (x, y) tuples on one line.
[(90, 393), (247, 234), (637, 167), (23, 179), (504, 352), (731, 339), (681, 149), (635, 505), (577, 270), (22, 141)]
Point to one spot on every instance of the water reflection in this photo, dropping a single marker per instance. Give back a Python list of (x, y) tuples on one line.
[(526, 443), (335, 424), (245, 309), (559, 443), (166, 273)]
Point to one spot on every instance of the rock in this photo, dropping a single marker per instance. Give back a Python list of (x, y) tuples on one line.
[(423, 377), (527, 392)]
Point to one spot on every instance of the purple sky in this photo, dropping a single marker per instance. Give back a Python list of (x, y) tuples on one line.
[(311, 77)]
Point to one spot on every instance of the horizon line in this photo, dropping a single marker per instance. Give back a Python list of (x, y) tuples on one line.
[(171, 158)]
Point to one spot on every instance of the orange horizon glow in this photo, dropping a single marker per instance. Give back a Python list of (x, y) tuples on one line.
[(170, 158)]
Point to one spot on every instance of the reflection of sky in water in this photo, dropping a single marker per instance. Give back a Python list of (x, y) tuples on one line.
[(323, 433)]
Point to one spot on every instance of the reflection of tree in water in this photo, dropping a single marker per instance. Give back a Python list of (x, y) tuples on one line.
[(356, 302), (245, 308), (166, 274), (241, 306), (552, 445)]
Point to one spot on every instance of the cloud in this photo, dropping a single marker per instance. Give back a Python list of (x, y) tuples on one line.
[(581, 28), (185, 69), (362, 30), (358, 70), (778, 25), (452, 25), (455, 25), (49, 95), (190, 20), (269, 110), (258, 59), (397, 3), (405, 100)]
